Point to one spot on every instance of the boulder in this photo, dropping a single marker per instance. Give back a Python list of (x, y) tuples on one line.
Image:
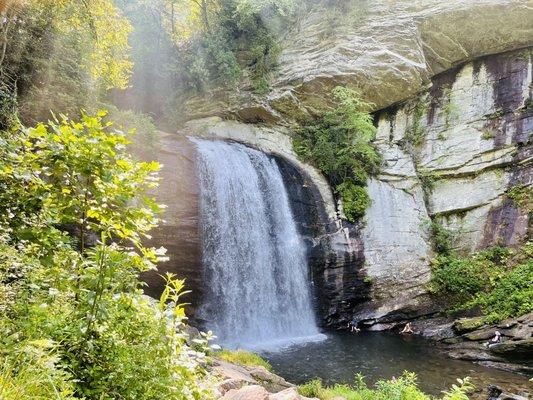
[(254, 392), (288, 394), (229, 384), (231, 372), (464, 325), (509, 396), (270, 381), (481, 334), (515, 348)]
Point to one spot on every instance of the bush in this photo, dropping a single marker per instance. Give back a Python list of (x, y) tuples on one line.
[(73, 213), (339, 144), (34, 374), (222, 41), (403, 388), (497, 280), (242, 357), (141, 127)]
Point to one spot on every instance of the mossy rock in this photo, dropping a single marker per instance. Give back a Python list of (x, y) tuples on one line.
[(515, 348), (464, 325)]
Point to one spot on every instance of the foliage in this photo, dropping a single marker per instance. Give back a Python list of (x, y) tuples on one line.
[(415, 134), (73, 215), (522, 195), (497, 280), (339, 144), (61, 55), (8, 106), (427, 180), (219, 39), (242, 357), (442, 238), (142, 127), (33, 374), (402, 388)]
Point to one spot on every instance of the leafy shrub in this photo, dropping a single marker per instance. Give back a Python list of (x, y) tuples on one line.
[(497, 280), (141, 126), (511, 296), (522, 196), (442, 238), (34, 374), (73, 215), (243, 357), (8, 106), (339, 144), (403, 388)]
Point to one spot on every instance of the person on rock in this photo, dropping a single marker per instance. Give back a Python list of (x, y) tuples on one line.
[(407, 329), (495, 340)]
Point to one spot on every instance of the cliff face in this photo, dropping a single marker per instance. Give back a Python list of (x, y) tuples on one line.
[(452, 154), (454, 129), (389, 49)]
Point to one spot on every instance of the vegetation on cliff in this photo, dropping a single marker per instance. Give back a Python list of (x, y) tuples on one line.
[(497, 280), (339, 144)]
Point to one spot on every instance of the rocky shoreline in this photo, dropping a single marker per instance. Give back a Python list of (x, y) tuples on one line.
[(468, 339), (238, 382), (252, 383)]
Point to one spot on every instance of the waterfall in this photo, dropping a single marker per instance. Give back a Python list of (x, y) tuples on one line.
[(256, 275)]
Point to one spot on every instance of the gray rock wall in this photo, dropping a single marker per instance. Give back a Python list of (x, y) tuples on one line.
[(451, 155), (389, 49)]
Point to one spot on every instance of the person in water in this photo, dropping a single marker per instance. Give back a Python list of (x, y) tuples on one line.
[(407, 329), (353, 328)]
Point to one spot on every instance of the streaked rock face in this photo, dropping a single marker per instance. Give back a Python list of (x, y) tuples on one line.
[(475, 127), (476, 145), (389, 49), (178, 232)]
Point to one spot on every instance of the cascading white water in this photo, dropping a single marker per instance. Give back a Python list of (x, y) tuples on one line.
[(257, 279)]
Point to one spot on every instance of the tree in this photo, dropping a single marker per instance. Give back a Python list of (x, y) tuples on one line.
[(63, 54)]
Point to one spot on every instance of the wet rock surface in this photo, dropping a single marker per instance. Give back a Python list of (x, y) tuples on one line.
[(178, 231), (472, 340)]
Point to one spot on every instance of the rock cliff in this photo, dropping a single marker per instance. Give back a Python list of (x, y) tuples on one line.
[(452, 88), (389, 49)]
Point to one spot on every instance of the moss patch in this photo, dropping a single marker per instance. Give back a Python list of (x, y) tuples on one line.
[(244, 358)]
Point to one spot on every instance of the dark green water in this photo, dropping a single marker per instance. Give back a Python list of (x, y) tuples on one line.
[(383, 356)]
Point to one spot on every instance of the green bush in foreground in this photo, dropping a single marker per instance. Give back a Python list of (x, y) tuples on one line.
[(496, 280), (242, 357), (403, 388), (74, 322), (339, 144)]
